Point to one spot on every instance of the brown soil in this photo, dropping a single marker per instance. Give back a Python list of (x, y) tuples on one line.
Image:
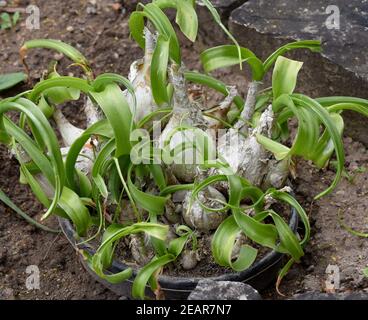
[(104, 38), (330, 243)]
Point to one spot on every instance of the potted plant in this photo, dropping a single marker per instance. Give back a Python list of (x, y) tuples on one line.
[(143, 205)]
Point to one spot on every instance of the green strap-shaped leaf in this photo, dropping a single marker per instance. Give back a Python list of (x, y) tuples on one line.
[(325, 147), (114, 185), (283, 272), (308, 131), (11, 79), (31, 149), (104, 253), (284, 76), (158, 231), (349, 229), (329, 101), (327, 121), (288, 240), (151, 203), (287, 198), (279, 150), (186, 16), (264, 234), (35, 186), (85, 186), (46, 108), (162, 24), (191, 138), (76, 210), (166, 111), (227, 55), (145, 273), (107, 78), (100, 128), (174, 188), (99, 262), (59, 46), (100, 165), (158, 175), (177, 245), (62, 81), (313, 45), (223, 243), (37, 118), (160, 60), (59, 95), (257, 197), (307, 143), (107, 254), (362, 109), (117, 111)]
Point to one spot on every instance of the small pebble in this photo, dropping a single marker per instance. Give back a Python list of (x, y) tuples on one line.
[(116, 6), (189, 259), (310, 268), (91, 10), (58, 56)]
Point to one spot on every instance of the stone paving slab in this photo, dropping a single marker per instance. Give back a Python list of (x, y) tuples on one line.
[(308, 19), (342, 69), (223, 290)]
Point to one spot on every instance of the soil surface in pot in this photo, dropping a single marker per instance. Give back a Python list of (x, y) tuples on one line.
[(102, 34)]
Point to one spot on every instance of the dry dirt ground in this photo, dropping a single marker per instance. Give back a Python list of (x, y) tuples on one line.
[(101, 33)]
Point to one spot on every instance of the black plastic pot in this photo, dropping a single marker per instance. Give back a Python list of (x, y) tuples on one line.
[(260, 275)]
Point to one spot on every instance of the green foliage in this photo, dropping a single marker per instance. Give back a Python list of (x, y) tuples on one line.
[(159, 65), (365, 272), (284, 76), (57, 45), (225, 56), (7, 21), (11, 79)]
